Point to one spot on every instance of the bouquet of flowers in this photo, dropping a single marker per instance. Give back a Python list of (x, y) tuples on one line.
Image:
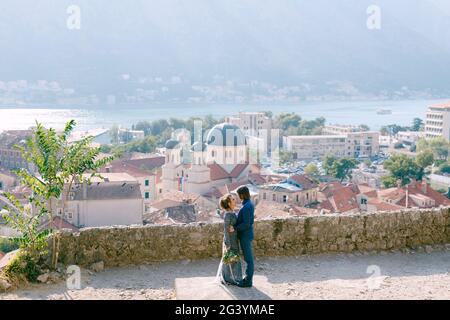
[(231, 257)]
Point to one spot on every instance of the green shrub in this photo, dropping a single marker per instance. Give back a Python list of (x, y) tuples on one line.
[(7, 245), (23, 267)]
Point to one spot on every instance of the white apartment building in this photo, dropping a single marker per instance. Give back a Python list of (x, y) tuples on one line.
[(315, 147), (255, 124), (354, 144), (409, 137), (336, 129), (438, 121)]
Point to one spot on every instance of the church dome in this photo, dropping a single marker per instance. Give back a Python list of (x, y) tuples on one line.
[(198, 146), (172, 144), (226, 135)]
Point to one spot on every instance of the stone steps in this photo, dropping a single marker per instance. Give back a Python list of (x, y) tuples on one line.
[(205, 288)]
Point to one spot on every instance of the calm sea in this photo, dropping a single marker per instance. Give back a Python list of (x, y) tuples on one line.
[(352, 112)]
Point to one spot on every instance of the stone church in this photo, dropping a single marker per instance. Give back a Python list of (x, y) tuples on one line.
[(221, 158)]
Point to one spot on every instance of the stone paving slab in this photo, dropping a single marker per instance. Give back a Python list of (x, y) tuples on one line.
[(206, 288)]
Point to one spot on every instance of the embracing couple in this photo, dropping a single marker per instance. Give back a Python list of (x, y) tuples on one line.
[(238, 235)]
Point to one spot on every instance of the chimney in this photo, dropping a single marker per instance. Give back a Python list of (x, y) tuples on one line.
[(424, 187)]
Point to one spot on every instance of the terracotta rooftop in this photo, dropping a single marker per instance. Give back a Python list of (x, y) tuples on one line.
[(304, 181), (127, 167), (441, 106), (338, 198), (56, 223), (219, 173), (179, 196), (270, 209)]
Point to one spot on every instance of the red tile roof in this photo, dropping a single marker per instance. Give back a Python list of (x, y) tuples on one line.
[(219, 173), (271, 209), (179, 196), (257, 179), (345, 200), (127, 167), (148, 163), (59, 223), (339, 198), (383, 206), (304, 181), (418, 187)]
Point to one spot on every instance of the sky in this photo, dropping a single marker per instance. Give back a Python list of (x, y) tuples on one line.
[(221, 50)]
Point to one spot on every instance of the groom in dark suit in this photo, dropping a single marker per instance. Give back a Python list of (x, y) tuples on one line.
[(244, 228)]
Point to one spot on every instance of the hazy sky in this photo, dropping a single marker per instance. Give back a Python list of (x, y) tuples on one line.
[(178, 47)]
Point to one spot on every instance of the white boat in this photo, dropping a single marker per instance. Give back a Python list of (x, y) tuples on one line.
[(384, 111)]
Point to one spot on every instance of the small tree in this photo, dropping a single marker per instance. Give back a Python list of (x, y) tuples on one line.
[(417, 124), (402, 168), (425, 159), (327, 164), (389, 182), (59, 164), (311, 169), (444, 168), (439, 146), (364, 127), (343, 167)]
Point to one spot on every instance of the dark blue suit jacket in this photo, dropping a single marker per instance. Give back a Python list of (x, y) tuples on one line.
[(245, 219)]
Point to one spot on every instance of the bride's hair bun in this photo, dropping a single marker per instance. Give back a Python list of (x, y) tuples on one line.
[(225, 202)]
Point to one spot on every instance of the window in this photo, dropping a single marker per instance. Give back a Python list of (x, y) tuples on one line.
[(69, 215), (297, 198), (147, 195), (1, 185), (147, 183), (284, 198), (274, 197)]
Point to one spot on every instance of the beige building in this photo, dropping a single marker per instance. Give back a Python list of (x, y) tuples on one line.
[(114, 199), (254, 124), (11, 157), (298, 189), (145, 178), (7, 180), (438, 121), (363, 144)]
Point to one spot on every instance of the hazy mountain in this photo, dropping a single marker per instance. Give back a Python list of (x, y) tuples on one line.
[(222, 50)]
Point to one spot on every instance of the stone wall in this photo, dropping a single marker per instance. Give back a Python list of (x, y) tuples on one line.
[(118, 246)]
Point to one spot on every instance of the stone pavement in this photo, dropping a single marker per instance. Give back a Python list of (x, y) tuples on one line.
[(206, 288)]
